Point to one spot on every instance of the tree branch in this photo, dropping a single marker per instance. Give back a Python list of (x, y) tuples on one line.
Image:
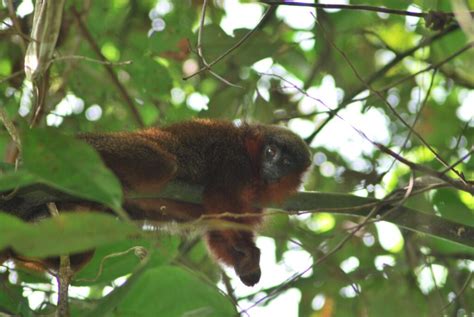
[(380, 73), (300, 203), (235, 46), (357, 7)]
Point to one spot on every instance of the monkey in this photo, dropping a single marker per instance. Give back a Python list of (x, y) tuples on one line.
[(240, 167)]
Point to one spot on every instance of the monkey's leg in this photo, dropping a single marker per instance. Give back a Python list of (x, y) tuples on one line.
[(237, 249)]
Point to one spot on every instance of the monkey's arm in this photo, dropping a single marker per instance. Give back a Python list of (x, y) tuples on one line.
[(140, 164)]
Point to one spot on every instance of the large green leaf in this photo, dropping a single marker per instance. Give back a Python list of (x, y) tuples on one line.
[(449, 205), (65, 234), (173, 292), (11, 229), (12, 180), (71, 166), (162, 250)]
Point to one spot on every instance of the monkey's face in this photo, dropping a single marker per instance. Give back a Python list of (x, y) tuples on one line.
[(283, 153)]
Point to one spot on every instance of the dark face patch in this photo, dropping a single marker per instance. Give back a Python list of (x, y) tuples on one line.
[(283, 153)]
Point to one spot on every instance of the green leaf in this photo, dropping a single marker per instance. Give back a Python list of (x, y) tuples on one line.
[(11, 228), (262, 110), (448, 203), (448, 247), (179, 292), (13, 180), (68, 233), (225, 104), (409, 298), (148, 68), (71, 166), (179, 24), (11, 299), (163, 250)]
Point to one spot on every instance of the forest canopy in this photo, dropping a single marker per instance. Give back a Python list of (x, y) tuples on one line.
[(382, 91)]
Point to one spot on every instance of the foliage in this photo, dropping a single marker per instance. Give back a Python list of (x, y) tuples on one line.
[(298, 68)]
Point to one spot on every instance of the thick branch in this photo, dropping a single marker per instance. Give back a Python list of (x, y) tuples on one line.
[(302, 202)]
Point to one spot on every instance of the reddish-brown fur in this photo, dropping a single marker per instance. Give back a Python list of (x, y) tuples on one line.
[(221, 157)]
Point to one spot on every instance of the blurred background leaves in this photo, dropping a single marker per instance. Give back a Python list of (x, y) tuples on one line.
[(382, 270)]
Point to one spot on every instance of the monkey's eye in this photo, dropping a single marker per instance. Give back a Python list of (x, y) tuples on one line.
[(272, 152)]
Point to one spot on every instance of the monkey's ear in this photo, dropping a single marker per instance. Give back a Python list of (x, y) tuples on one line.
[(253, 145)]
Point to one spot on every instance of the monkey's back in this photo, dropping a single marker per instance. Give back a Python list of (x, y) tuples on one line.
[(205, 150)]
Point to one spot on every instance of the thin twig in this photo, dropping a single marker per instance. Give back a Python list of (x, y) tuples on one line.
[(95, 47), (393, 197), (11, 129), (450, 167), (296, 276), (382, 71), (461, 291), (92, 60), (460, 184), (462, 132), (229, 288), (356, 7), (64, 275), (41, 90), (392, 109), (16, 24), (433, 66), (138, 251), (433, 277), (233, 48), (467, 186), (199, 48), (15, 74), (417, 117), (325, 54)]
